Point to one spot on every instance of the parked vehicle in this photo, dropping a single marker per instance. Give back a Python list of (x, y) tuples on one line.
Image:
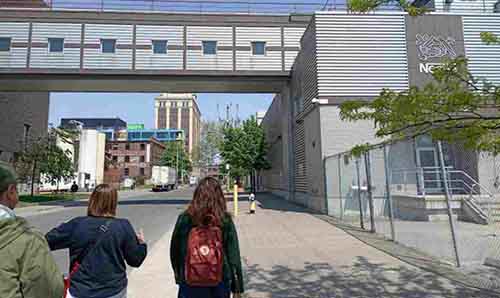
[(193, 180), (163, 178), (128, 183), (62, 186)]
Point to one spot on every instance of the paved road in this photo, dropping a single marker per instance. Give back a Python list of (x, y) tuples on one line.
[(155, 213)]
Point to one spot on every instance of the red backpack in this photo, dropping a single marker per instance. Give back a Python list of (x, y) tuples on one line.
[(204, 259)]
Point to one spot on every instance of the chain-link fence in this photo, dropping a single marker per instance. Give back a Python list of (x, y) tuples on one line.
[(439, 200)]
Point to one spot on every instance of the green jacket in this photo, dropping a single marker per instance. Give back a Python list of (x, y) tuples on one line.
[(233, 275), (27, 268)]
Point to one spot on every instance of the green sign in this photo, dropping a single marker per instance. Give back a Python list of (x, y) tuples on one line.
[(135, 126)]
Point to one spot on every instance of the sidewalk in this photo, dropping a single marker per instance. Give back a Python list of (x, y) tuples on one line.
[(289, 253)]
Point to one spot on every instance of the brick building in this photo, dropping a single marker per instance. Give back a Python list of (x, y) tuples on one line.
[(132, 159), (181, 112)]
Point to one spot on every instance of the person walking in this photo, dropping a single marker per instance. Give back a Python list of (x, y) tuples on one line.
[(27, 268), (99, 246), (204, 252)]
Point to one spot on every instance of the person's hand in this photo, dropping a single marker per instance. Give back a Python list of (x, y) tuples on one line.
[(236, 295), (140, 237)]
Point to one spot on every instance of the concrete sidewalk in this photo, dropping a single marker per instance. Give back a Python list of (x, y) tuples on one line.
[(289, 253)]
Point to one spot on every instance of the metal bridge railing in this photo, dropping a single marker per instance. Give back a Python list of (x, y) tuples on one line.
[(275, 7)]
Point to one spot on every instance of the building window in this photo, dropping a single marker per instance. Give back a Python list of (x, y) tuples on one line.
[(185, 104), (143, 159), (126, 172), (127, 146), (56, 45), (5, 44), (127, 158), (143, 146), (141, 171), (115, 147), (173, 104), (108, 46), (258, 48), (160, 46), (209, 47), (115, 158), (26, 134)]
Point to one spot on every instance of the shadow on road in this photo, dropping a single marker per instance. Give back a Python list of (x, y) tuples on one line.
[(272, 202), (124, 202), (363, 279)]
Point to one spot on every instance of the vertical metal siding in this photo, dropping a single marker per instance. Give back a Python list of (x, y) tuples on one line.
[(195, 58), (359, 55), (292, 40), (69, 58), (484, 60), (244, 58), (94, 58), (19, 33), (466, 6), (145, 59)]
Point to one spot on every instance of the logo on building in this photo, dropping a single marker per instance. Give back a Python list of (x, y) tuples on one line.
[(434, 46)]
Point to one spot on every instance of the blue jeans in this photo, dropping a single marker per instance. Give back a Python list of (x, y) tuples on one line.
[(220, 291)]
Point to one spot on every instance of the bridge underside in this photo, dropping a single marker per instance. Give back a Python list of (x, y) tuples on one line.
[(206, 82)]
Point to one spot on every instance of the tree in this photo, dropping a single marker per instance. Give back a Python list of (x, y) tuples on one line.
[(42, 157), (456, 108), (206, 153), (175, 156), (245, 149), (365, 6)]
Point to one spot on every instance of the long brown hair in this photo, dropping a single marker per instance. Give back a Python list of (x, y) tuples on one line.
[(208, 200), (103, 201)]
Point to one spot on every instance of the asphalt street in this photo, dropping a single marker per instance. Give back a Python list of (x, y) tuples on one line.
[(155, 213)]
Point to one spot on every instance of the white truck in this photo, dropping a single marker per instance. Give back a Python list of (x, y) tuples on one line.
[(163, 178)]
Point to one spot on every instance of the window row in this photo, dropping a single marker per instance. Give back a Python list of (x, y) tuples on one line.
[(127, 158), (175, 104), (126, 172), (108, 46)]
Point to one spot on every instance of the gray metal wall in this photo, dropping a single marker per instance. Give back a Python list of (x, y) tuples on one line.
[(484, 60), (359, 55), (19, 34)]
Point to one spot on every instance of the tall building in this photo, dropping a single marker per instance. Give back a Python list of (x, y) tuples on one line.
[(179, 111), (23, 116)]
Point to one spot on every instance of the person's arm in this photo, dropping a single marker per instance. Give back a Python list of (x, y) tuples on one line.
[(175, 251), (234, 258), (134, 251), (39, 274), (60, 237)]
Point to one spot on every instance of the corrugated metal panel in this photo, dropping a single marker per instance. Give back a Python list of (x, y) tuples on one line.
[(359, 55), (40, 56), (466, 6), (19, 33), (300, 159), (293, 36), (195, 58), (145, 59), (244, 38), (121, 59), (484, 60), (290, 57)]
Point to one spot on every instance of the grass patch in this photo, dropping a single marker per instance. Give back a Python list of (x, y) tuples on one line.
[(45, 198)]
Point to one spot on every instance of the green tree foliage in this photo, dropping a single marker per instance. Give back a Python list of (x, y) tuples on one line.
[(244, 148), (176, 157), (210, 141), (42, 156), (365, 6), (456, 107)]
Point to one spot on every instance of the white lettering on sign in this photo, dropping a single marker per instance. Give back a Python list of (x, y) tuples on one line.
[(427, 67), (435, 46)]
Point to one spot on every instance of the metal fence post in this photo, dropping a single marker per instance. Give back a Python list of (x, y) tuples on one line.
[(448, 201), (388, 175), (369, 191), (361, 217), (340, 189)]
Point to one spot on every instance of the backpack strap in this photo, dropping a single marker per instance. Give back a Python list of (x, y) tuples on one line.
[(93, 244)]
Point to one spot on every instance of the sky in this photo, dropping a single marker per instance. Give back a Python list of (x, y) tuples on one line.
[(139, 107)]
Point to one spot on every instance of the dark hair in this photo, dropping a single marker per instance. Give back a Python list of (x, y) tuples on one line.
[(208, 202), (103, 201), (7, 178)]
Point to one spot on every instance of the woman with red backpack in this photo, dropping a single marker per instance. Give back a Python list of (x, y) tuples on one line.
[(204, 250)]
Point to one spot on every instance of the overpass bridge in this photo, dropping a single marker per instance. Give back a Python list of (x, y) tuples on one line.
[(86, 51)]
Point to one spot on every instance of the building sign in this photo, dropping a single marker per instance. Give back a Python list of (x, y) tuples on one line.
[(431, 39), (431, 46)]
